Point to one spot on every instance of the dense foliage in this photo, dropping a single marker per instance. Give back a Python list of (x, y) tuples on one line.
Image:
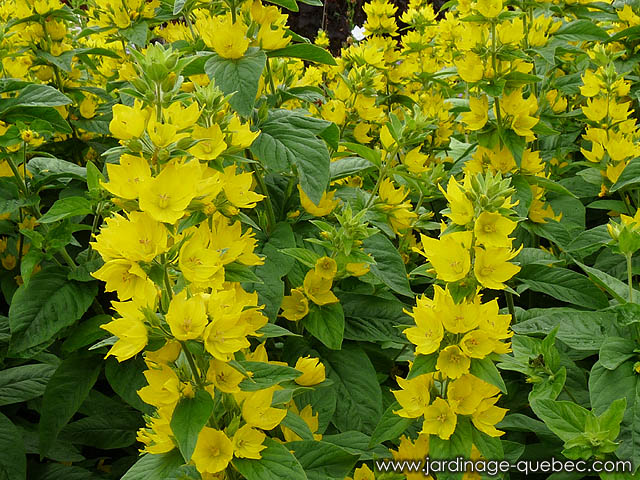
[(228, 254)]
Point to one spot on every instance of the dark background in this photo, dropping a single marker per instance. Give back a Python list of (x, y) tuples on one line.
[(309, 19)]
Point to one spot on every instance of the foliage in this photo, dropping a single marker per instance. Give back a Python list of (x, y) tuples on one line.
[(227, 254)]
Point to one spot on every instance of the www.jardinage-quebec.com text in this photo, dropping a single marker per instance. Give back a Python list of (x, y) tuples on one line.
[(430, 466)]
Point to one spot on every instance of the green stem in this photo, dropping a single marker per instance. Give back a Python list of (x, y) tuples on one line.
[(270, 75), (629, 276), (271, 216), (510, 306), (94, 227), (167, 280), (16, 173), (192, 364)]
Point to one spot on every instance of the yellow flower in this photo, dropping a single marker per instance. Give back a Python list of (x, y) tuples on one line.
[(360, 132), (127, 279), (224, 336), (414, 395), (439, 419), (478, 116), (592, 84), (163, 134), (247, 443), (139, 238), (181, 117), (228, 39), (465, 393), (487, 415), (211, 142), (225, 378), (461, 207), (128, 122), (470, 68), (213, 451), (358, 269), (449, 256), (257, 410), (167, 196), (272, 38), (492, 230), (367, 109), (596, 108), (312, 370), (237, 188), (416, 161), (198, 262), (408, 450), (187, 317), (455, 317), (295, 306), (126, 179), (241, 134), (163, 389), (363, 473), (489, 8), (326, 267), (477, 344), (88, 107), (428, 332), (324, 207), (452, 362), (318, 289), (492, 267), (334, 111), (130, 330)]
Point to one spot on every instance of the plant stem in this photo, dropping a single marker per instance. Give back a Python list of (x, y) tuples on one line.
[(270, 75), (629, 276), (192, 364), (510, 306), (271, 216), (167, 280)]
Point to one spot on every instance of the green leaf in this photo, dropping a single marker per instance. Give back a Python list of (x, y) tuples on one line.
[(423, 364), (515, 143), (19, 384), (240, 75), (34, 95), (370, 318), (360, 399), (579, 329), (46, 166), (549, 185), (65, 392), (322, 460), (277, 463), (271, 330), (615, 351), (189, 416), (155, 466), (565, 419), (489, 447), (290, 138), (390, 426), (45, 306), (236, 272), (288, 4), (580, 30), (347, 166), (67, 207), (178, 5), (304, 256), (358, 444), (266, 375), (305, 51), (563, 284), (607, 386), (326, 323), (389, 266), (458, 445), (295, 423), (126, 379), (13, 460), (107, 431), (630, 176), (486, 370), (276, 265), (137, 34)]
